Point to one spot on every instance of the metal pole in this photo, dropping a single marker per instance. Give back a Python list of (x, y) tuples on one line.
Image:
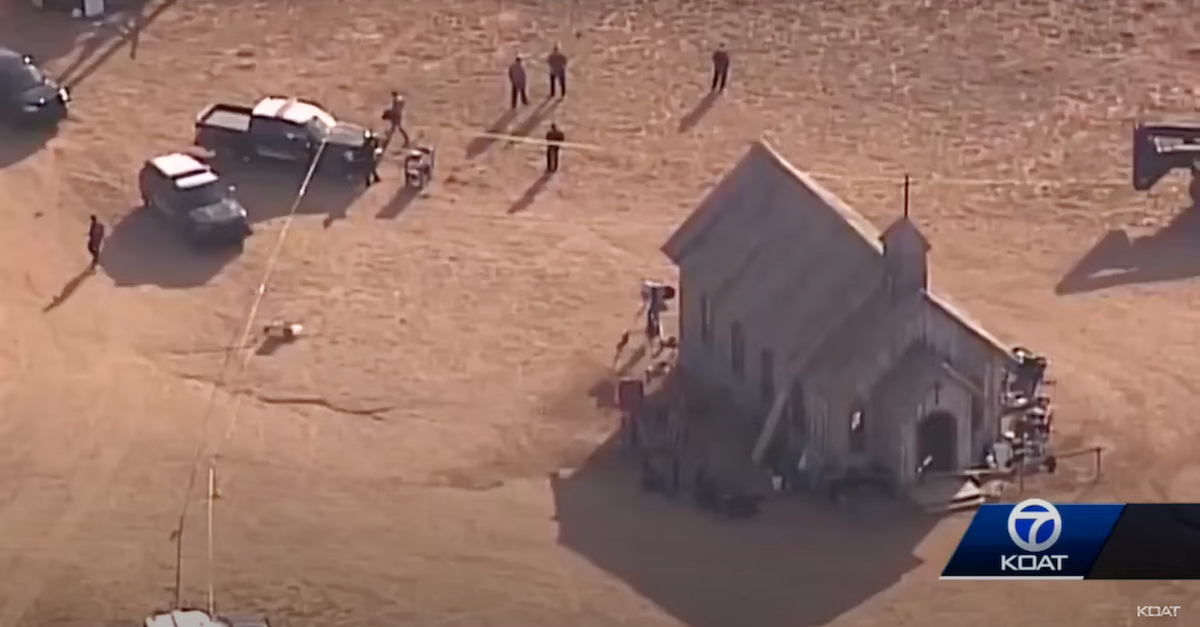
[(212, 490), (178, 562)]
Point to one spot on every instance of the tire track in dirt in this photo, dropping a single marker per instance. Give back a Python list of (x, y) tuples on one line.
[(98, 455), (99, 465)]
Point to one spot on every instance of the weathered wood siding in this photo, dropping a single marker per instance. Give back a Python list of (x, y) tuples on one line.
[(891, 437), (713, 362), (820, 410), (887, 442), (691, 343), (831, 397), (865, 371), (982, 362), (850, 387), (707, 361)]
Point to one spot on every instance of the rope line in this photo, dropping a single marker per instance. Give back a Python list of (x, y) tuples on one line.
[(237, 344), (897, 178), (247, 354)]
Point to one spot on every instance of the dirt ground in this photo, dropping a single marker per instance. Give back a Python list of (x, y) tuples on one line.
[(391, 468)]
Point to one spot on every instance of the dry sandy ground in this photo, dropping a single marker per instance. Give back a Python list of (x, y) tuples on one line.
[(390, 469)]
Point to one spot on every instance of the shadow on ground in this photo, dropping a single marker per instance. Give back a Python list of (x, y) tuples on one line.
[(1170, 254), (798, 564), (541, 112), (50, 35), (693, 117), (399, 203), (142, 249), (480, 144), (531, 194), (269, 193), (122, 31), (17, 146), (45, 35), (69, 288)]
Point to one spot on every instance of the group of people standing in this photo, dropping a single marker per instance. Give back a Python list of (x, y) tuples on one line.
[(518, 82), (518, 79), (556, 66)]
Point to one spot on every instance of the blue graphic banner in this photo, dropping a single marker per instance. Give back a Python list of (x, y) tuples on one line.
[(1033, 539)]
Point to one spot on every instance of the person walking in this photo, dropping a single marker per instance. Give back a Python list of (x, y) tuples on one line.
[(394, 116), (554, 141), (557, 62), (720, 62), (95, 240), (516, 80)]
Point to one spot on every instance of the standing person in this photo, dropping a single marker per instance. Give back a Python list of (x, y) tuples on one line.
[(554, 140), (720, 61), (95, 240), (516, 80), (395, 119), (371, 169), (653, 331), (654, 301), (557, 61)]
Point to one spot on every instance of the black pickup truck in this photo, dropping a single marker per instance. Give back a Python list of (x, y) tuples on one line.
[(288, 130)]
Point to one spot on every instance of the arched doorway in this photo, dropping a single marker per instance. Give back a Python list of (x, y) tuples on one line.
[(937, 442)]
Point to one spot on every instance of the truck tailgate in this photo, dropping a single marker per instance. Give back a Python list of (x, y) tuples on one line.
[(225, 117)]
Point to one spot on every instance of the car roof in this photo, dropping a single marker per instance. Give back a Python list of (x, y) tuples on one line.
[(11, 58), (185, 171), (292, 110), (192, 181), (182, 618)]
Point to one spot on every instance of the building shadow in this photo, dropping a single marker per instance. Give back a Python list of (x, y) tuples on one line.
[(142, 249), (48, 35), (531, 193), (1169, 254), (45, 35), (698, 112), (18, 145), (480, 144), (110, 36), (796, 564)]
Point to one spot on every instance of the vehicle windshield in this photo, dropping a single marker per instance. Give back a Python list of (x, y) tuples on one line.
[(203, 195), (21, 76)]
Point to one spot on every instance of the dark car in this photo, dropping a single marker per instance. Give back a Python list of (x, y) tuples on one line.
[(190, 195), (27, 96), (288, 130)]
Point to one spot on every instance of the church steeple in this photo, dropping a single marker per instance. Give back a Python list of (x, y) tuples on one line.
[(905, 253)]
